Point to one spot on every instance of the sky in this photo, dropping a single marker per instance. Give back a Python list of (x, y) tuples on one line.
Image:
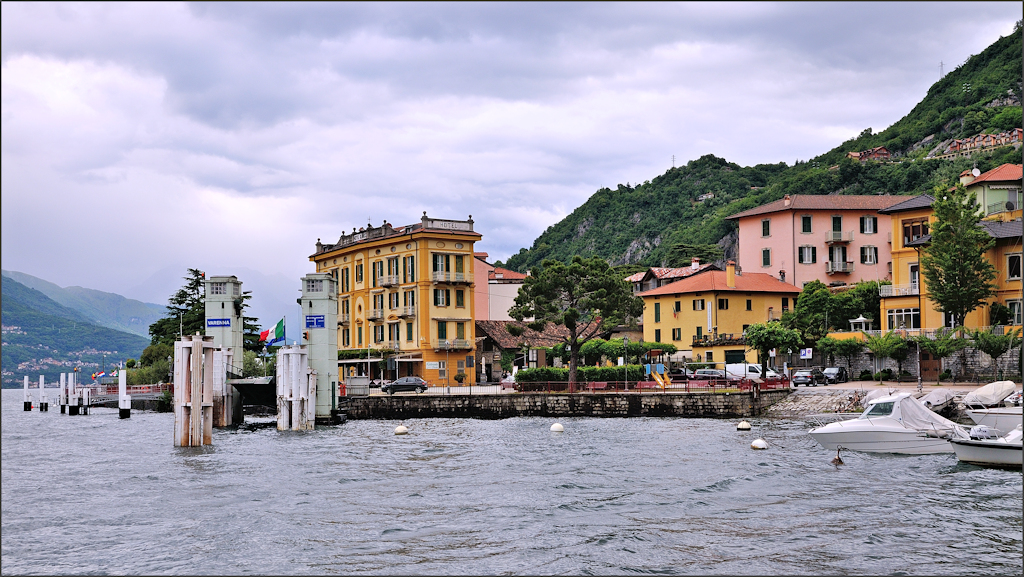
[(139, 140)]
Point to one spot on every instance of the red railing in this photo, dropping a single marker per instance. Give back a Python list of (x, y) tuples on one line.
[(681, 386), (138, 389)]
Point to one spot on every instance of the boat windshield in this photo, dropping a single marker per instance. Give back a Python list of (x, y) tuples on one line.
[(880, 410)]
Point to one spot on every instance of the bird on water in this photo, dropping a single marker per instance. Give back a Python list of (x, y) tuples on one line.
[(837, 460)]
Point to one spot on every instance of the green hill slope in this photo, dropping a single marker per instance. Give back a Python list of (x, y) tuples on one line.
[(102, 308), (688, 204), (43, 337)]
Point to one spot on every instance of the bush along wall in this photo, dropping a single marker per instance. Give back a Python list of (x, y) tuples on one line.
[(583, 374)]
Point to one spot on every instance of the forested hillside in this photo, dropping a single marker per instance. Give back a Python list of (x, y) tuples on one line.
[(105, 309), (43, 337), (653, 223)]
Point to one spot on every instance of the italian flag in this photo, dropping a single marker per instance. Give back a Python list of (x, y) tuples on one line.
[(276, 334)]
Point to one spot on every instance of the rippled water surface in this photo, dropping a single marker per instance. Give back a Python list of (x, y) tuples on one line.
[(95, 494)]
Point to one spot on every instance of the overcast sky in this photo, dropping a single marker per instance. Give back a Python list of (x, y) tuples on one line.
[(141, 139)]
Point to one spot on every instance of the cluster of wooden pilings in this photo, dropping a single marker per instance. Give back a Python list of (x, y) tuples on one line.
[(202, 397), (75, 400)]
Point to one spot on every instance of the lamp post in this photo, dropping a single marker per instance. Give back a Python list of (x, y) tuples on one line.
[(625, 359)]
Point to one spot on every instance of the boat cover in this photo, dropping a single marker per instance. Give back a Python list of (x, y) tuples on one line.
[(915, 415), (872, 395), (936, 399), (990, 394)]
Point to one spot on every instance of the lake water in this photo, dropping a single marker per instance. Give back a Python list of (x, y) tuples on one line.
[(95, 494)]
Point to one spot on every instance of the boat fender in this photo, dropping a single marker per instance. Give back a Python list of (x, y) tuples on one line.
[(982, 432)]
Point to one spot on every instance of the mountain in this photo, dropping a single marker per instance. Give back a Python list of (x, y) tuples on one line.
[(687, 205), (105, 309), (44, 337)]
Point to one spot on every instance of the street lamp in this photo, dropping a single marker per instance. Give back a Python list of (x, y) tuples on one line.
[(625, 358)]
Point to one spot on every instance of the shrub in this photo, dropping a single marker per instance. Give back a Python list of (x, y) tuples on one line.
[(945, 375), (883, 375), (865, 375)]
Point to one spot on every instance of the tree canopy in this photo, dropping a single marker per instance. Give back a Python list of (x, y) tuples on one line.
[(186, 311), (959, 276), (763, 337), (585, 296)]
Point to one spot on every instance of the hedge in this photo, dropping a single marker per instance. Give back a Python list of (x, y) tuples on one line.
[(583, 374)]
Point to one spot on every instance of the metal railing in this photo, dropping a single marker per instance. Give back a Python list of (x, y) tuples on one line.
[(899, 290), (834, 267), (452, 344), (344, 319), (389, 280), (375, 314), (408, 311), (838, 236), (649, 387), (719, 339), (445, 276)]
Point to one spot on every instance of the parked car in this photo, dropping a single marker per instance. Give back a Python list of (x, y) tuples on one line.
[(405, 384), (809, 378), (708, 374), (748, 371), (836, 375)]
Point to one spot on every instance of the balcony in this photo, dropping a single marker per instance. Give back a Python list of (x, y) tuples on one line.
[(375, 314), (719, 339), (406, 312), (834, 267), (452, 345), (344, 319), (392, 345), (899, 290), (838, 236), (452, 277), (389, 280)]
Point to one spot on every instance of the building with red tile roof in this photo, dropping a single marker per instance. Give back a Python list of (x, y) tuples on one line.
[(998, 190), (656, 276)]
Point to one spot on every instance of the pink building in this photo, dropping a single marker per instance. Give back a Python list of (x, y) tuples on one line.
[(836, 239)]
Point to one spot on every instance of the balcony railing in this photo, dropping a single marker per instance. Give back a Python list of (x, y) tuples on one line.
[(899, 290), (452, 344), (375, 314), (344, 319), (409, 311), (719, 339), (392, 345), (834, 267), (453, 277), (389, 280), (838, 236)]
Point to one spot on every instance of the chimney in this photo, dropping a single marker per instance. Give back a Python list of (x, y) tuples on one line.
[(695, 263), (730, 274), (786, 201), (966, 177)]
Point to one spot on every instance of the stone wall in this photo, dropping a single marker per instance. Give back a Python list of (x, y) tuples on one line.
[(563, 405)]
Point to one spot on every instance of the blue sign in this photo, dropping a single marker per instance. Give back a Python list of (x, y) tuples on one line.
[(314, 321), (218, 322)]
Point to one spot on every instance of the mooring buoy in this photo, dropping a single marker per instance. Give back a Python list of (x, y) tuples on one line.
[(557, 428), (759, 444), (401, 430), (743, 426)]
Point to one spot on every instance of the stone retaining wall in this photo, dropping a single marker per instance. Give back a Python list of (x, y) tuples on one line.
[(562, 405)]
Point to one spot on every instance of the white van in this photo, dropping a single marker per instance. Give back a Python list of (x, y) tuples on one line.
[(747, 371)]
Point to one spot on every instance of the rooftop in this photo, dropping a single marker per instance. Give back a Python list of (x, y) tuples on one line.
[(715, 281), (1003, 173), (498, 331), (912, 203), (823, 202), (387, 230)]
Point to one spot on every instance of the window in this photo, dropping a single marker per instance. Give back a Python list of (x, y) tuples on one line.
[(408, 331), (378, 333), (394, 332), (698, 332), (904, 318), (677, 334), (766, 257), (1015, 311), (807, 254), (750, 305), (657, 335), (314, 285), (393, 266), (345, 284), (766, 227), (785, 303), (442, 297), (677, 307), (409, 269), (459, 267), (723, 304), (869, 254), (805, 224), (378, 301), (346, 337), (218, 288), (657, 313), (441, 262), (709, 357), (393, 300), (442, 369), (460, 298), (460, 331), (359, 335), (409, 298), (698, 304), (914, 229), (442, 330), (1013, 267), (868, 224), (837, 224), (346, 307), (378, 273)]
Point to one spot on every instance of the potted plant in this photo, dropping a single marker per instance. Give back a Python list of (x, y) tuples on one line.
[(460, 377)]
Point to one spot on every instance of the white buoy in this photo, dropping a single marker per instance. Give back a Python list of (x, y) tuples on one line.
[(759, 444), (743, 426), (557, 428), (401, 430)]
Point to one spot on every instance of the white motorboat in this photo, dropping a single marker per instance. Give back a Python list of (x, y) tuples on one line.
[(892, 424), (1002, 418), (984, 449)]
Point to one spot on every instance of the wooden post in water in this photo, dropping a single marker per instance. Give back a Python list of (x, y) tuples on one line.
[(193, 391), (28, 397), (124, 400)]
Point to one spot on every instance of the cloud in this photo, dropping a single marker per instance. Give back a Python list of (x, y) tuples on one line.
[(138, 137)]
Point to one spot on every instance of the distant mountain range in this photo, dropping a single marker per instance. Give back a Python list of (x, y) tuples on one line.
[(44, 337), (104, 309)]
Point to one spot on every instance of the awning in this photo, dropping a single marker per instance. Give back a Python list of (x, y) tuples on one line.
[(357, 361)]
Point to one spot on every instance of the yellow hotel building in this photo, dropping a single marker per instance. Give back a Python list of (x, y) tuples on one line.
[(408, 290)]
